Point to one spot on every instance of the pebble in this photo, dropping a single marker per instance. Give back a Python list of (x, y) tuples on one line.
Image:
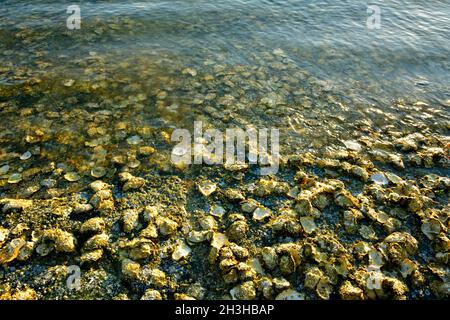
[(379, 178), (15, 178), (27, 155)]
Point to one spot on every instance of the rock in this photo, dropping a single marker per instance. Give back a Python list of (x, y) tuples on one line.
[(131, 269), (308, 224), (134, 140), (82, 207), (63, 241), (99, 241), (379, 178), (156, 278), (182, 251), (352, 145), (15, 178), (218, 240), (140, 248), (150, 232), (407, 241), (217, 211), (166, 226), (146, 150), (290, 294), (151, 294), (261, 213), (248, 206), (206, 187), (150, 213), (25, 294), (312, 278), (15, 204), (269, 257), (198, 236), (431, 228), (345, 199), (4, 233), (233, 195), (349, 292), (72, 176), (91, 256), (406, 143), (237, 231), (360, 172), (11, 250), (93, 225), (98, 172), (98, 185), (133, 184), (244, 291), (130, 219), (4, 169)]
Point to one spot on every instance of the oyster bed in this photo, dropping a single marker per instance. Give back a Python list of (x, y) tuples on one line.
[(86, 180)]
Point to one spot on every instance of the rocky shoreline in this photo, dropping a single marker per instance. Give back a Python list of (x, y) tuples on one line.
[(316, 230)]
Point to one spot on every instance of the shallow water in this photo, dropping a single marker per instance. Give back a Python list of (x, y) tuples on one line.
[(81, 105), (408, 55)]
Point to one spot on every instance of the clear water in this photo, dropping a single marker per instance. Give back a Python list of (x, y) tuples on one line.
[(311, 68), (407, 56)]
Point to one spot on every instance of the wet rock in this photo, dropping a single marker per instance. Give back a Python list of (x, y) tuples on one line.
[(4, 233), (82, 207), (352, 145), (25, 294), (131, 269), (166, 226), (290, 294), (150, 232), (15, 178), (405, 240), (151, 294), (130, 182), (99, 241), (195, 237), (15, 204), (156, 277), (345, 199), (233, 195), (379, 178), (269, 257), (261, 213), (130, 220), (182, 251), (244, 291), (72, 176), (63, 241), (431, 228), (11, 250), (237, 231), (217, 211), (133, 184), (286, 223), (150, 213), (308, 224), (218, 240), (206, 187), (349, 292), (139, 248), (248, 206), (98, 185), (91, 256)]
